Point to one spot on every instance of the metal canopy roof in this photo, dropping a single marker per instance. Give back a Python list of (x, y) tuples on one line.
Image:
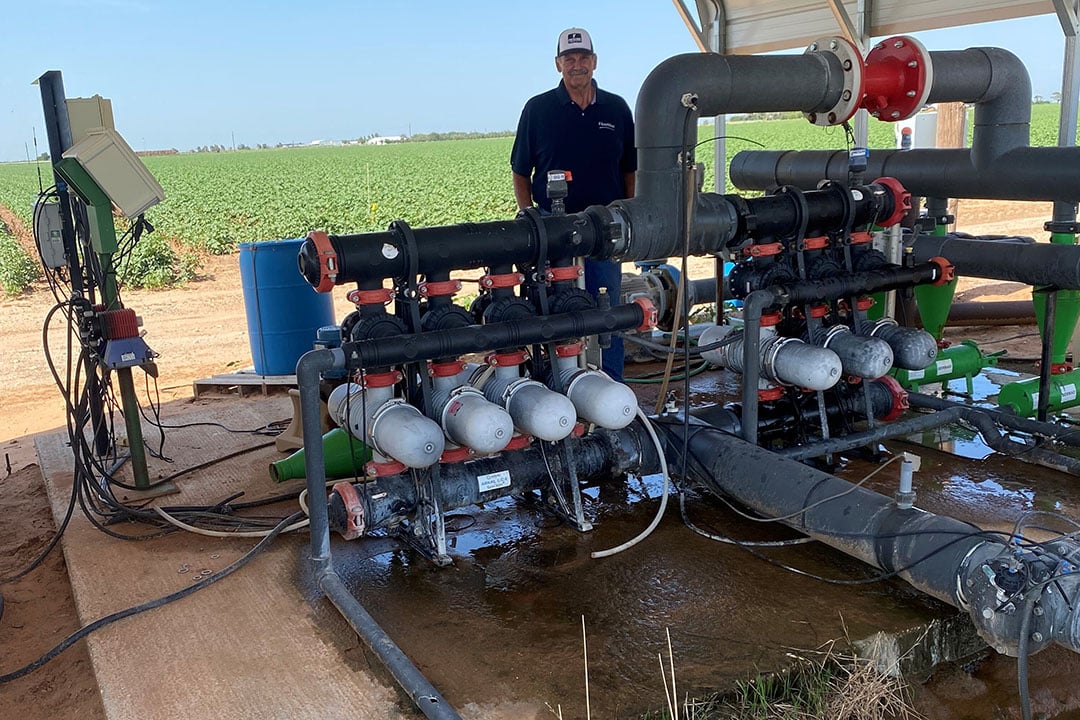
[(754, 26)]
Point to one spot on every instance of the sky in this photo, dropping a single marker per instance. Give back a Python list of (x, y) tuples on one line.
[(187, 73)]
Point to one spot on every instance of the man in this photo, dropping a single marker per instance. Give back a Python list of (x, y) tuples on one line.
[(590, 132)]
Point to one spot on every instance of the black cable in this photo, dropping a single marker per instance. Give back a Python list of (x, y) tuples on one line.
[(152, 604)]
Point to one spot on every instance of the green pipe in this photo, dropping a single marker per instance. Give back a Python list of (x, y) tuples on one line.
[(965, 360), (1023, 395), (343, 456)]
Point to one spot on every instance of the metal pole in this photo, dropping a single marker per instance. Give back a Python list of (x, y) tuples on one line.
[(53, 103), (1047, 351)]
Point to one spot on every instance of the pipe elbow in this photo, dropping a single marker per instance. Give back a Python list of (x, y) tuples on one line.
[(313, 363)]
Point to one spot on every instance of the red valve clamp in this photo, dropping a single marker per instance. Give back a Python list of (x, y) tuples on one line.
[(649, 314), (381, 296), (437, 289), (562, 274), (763, 250), (508, 280), (569, 350), (770, 394), (386, 379), (948, 270), (328, 261), (504, 359), (899, 397), (816, 243), (901, 200), (354, 510)]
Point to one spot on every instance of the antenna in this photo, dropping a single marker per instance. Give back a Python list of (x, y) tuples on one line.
[(41, 185)]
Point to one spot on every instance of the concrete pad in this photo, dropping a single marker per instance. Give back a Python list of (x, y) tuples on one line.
[(249, 646)]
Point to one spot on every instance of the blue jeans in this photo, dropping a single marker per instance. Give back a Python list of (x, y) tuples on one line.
[(607, 274)]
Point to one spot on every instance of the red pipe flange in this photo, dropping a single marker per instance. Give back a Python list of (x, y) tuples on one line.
[(328, 261), (455, 455), (447, 369), (518, 442), (569, 349), (504, 359), (770, 394), (386, 379), (383, 469), (851, 93), (901, 201), (770, 319), (897, 78), (864, 303)]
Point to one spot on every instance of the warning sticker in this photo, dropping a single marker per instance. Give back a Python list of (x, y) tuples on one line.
[(944, 367), (1068, 392)]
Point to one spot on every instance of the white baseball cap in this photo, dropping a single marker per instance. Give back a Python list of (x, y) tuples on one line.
[(574, 40)]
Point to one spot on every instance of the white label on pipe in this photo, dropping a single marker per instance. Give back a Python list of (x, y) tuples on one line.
[(944, 367), (916, 374), (493, 481), (1068, 392), (1035, 399)]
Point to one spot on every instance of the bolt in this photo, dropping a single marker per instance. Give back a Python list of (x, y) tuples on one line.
[(847, 64), (813, 47), (1037, 611), (987, 613), (832, 118), (876, 114), (910, 93), (913, 64), (970, 582), (812, 117), (1037, 637), (563, 422), (846, 95), (355, 509), (898, 44), (833, 45), (894, 114)]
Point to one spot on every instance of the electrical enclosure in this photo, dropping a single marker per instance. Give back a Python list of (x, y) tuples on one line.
[(47, 234), (115, 167)]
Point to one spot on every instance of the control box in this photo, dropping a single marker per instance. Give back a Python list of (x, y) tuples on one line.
[(86, 114), (50, 242), (117, 170)]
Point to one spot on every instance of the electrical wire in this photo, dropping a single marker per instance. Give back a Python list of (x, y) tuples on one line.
[(733, 541), (663, 497), (82, 632)]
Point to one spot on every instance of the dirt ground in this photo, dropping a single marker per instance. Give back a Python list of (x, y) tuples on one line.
[(198, 330)]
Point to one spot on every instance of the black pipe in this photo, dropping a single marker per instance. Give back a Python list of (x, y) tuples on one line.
[(1002, 416), (1032, 264), (386, 501), (926, 550), (400, 349), (381, 255), (1023, 173), (888, 278), (1001, 312)]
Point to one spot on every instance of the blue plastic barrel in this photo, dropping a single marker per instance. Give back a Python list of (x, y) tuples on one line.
[(284, 313)]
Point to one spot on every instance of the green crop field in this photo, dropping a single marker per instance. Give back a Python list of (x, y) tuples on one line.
[(216, 200)]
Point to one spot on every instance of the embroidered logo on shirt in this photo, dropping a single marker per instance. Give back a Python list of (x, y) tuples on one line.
[(605, 125)]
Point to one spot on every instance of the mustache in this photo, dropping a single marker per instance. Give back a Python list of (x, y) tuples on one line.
[(578, 72)]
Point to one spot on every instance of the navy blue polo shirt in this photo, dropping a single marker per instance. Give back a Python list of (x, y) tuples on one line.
[(595, 144)]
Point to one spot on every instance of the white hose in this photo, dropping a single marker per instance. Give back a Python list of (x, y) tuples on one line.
[(663, 497)]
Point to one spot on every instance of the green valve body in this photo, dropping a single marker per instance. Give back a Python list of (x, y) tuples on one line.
[(935, 301), (343, 456), (1023, 395), (965, 360)]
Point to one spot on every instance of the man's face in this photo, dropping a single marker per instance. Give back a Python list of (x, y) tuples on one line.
[(576, 68)]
